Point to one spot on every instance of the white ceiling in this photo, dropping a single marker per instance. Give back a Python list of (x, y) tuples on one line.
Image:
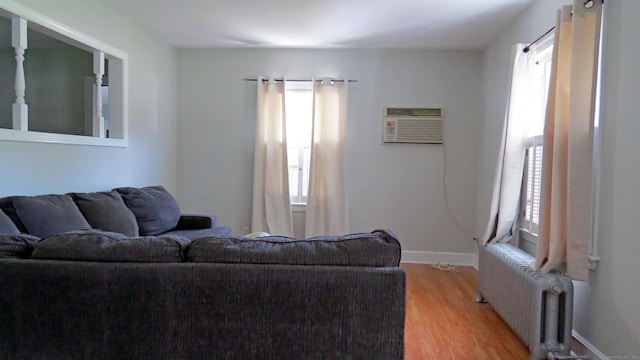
[(437, 24)]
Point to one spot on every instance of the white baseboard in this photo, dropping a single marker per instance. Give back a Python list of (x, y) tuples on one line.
[(431, 257), (594, 353)]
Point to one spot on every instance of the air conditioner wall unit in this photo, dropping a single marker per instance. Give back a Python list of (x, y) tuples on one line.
[(412, 125)]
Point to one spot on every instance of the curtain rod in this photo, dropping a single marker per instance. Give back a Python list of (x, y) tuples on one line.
[(526, 48), (587, 4), (317, 80)]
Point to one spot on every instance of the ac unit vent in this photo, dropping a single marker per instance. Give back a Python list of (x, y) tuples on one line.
[(421, 112), (412, 125)]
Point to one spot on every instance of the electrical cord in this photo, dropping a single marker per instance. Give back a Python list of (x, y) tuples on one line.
[(446, 191), (445, 267)]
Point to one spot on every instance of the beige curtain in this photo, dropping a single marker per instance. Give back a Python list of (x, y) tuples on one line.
[(566, 194), (326, 212), (271, 211), (507, 182)]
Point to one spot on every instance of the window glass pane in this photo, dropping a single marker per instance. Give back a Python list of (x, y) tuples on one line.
[(292, 158), (7, 72), (538, 90), (299, 119), (59, 85)]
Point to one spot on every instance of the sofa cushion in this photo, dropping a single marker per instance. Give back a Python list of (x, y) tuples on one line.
[(378, 248), (154, 207), (198, 233), (6, 225), (6, 205), (17, 245), (45, 215), (103, 246), (107, 211)]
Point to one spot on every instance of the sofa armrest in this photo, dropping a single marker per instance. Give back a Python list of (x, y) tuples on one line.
[(196, 221)]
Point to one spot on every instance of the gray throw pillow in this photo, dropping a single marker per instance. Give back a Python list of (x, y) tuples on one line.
[(156, 210), (378, 248), (17, 245), (6, 225), (103, 246), (107, 211), (45, 215)]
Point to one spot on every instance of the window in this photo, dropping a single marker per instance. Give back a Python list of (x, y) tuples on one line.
[(299, 120), (58, 85), (537, 95)]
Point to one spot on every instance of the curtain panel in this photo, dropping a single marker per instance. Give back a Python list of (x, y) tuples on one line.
[(566, 194), (326, 212), (271, 210), (505, 201)]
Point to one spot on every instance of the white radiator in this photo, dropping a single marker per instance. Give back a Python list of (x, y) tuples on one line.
[(538, 307)]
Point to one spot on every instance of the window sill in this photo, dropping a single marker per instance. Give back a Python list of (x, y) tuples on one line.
[(528, 236), (35, 136), (298, 207)]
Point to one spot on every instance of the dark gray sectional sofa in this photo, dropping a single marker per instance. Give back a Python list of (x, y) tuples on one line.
[(89, 293)]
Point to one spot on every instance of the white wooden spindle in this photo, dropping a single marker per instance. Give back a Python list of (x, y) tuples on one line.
[(19, 43), (98, 70)]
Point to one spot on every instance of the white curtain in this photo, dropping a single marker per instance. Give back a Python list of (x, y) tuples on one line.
[(271, 205), (326, 212), (566, 194), (507, 181)]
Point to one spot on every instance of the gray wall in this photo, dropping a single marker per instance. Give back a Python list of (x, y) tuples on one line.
[(606, 308), (36, 168), (396, 186)]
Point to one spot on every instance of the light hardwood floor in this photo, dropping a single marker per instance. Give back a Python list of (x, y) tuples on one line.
[(444, 321)]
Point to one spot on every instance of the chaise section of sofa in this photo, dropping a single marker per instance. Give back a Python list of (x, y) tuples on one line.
[(379, 248)]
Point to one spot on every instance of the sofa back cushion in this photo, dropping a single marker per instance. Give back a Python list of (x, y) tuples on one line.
[(6, 225), (45, 215), (6, 205), (103, 246), (107, 211), (378, 248), (156, 210), (17, 245)]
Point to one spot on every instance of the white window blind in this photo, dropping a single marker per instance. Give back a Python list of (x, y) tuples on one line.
[(532, 181)]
